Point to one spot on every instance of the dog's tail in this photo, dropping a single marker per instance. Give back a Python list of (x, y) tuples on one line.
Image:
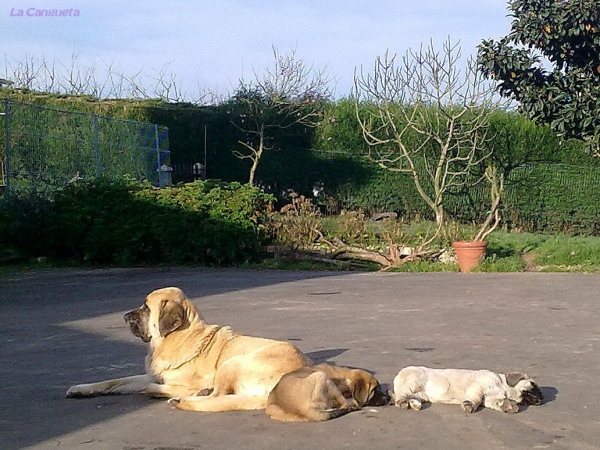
[(220, 403)]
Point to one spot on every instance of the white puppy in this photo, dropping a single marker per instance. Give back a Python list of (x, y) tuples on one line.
[(469, 388)]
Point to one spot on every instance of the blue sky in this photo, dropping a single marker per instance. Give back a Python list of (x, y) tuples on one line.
[(211, 45)]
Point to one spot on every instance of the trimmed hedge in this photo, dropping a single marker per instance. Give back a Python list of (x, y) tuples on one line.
[(532, 158), (124, 223)]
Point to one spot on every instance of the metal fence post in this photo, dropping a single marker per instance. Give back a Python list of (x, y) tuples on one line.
[(96, 145), (157, 151), (6, 115)]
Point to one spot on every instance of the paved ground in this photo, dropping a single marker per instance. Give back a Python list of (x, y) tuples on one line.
[(60, 327)]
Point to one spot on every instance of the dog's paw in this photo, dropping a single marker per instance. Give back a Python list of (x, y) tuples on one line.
[(174, 401), (74, 393), (79, 391), (509, 406), (402, 403), (415, 404), (183, 403), (469, 407)]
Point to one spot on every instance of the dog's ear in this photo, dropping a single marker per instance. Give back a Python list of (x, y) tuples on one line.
[(360, 390), (171, 317), (513, 378), (343, 386)]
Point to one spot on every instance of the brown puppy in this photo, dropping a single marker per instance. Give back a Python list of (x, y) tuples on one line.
[(323, 392), (188, 357)]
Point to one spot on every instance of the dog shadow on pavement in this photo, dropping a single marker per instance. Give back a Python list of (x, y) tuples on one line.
[(549, 394), (325, 356)]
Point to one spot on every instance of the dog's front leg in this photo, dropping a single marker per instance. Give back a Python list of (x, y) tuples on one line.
[(127, 385), (473, 398), (409, 396), (500, 402), (168, 390)]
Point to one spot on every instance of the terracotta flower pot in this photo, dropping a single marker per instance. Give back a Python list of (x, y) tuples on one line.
[(469, 254)]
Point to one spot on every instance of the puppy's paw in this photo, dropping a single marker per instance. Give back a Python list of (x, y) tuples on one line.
[(415, 404), (469, 407), (402, 403), (348, 404), (509, 406)]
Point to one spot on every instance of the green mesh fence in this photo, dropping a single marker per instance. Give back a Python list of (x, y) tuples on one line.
[(53, 146)]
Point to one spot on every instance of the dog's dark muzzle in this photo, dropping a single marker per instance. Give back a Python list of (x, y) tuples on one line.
[(138, 323), (533, 396), (379, 398)]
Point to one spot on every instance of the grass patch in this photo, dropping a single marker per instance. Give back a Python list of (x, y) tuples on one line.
[(514, 252), (425, 266), (569, 254), (504, 243), (502, 264)]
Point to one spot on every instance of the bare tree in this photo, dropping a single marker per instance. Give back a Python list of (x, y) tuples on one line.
[(100, 81), (284, 98), (423, 116), (205, 96), (25, 73), (78, 79)]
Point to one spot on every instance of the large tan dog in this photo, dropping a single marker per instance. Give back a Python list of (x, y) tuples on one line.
[(323, 392), (469, 388), (189, 359)]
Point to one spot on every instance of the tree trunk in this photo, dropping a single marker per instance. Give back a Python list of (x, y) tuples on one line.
[(257, 155)]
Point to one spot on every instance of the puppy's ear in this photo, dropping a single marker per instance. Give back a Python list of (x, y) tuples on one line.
[(360, 390), (170, 318), (514, 377), (343, 385)]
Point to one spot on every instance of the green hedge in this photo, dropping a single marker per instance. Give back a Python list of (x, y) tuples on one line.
[(555, 198), (551, 185), (124, 223), (532, 158)]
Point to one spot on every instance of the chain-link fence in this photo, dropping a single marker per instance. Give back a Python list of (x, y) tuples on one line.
[(55, 147)]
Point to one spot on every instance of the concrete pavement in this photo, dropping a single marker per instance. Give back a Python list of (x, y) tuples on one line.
[(60, 327)]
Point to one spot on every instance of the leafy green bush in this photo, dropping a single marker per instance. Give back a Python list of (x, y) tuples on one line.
[(123, 223), (24, 216), (296, 225)]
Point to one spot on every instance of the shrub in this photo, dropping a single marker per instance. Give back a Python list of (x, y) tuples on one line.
[(24, 216), (123, 222), (297, 225)]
